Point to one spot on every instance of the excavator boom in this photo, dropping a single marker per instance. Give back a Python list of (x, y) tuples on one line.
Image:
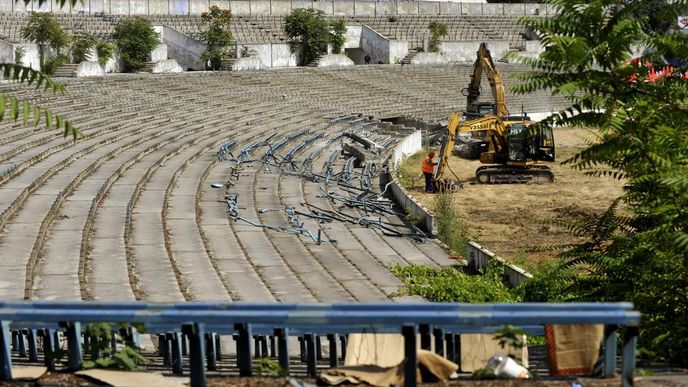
[(484, 62), (440, 179)]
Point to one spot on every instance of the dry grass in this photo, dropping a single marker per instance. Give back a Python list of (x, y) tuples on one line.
[(515, 220)]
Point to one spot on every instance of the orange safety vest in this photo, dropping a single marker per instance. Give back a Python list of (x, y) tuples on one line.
[(428, 165)]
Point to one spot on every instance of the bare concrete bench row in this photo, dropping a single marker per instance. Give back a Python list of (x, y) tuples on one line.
[(128, 212)]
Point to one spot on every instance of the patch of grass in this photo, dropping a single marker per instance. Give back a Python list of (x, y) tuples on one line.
[(451, 285), (269, 367), (450, 227), (409, 173)]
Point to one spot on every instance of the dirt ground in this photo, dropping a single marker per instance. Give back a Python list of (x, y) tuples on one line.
[(512, 220)]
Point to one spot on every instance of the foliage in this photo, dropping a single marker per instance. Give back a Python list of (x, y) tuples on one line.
[(19, 53), (640, 253), (658, 14), (308, 32), (105, 50), (27, 76), (216, 35), (551, 282), (99, 348), (437, 31), (135, 39), (412, 218), (450, 228), (483, 374), (46, 32), (409, 174), (451, 285), (17, 107), (269, 367), (51, 64), (248, 52), (81, 45), (60, 3), (510, 336), (337, 38)]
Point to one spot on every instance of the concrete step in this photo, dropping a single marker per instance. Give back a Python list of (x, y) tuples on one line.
[(67, 70), (314, 62), (228, 63), (409, 56), (147, 67)]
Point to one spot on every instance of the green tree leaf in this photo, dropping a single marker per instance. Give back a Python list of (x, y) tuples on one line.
[(636, 250), (135, 39)]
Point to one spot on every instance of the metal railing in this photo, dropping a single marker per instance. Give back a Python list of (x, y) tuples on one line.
[(202, 323)]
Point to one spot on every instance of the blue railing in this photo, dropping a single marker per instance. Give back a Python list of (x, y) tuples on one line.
[(202, 323)]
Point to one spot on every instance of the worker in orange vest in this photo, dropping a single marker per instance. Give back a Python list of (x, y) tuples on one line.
[(428, 169)]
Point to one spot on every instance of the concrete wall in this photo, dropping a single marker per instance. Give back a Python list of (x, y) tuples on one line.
[(465, 51), (273, 54), (30, 59), (429, 58), (381, 49), (167, 66), (159, 52), (182, 48), (6, 52), (479, 257), (281, 7), (398, 49), (335, 60), (250, 63), (89, 69), (353, 37), (408, 146)]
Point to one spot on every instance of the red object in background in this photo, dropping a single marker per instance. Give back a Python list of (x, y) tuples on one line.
[(653, 74)]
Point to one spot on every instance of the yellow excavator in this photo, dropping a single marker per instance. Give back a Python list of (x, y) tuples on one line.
[(512, 149)]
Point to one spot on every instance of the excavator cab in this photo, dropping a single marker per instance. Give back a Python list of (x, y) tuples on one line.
[(517, 143), (529, 143), (480, 109), (544, 144)]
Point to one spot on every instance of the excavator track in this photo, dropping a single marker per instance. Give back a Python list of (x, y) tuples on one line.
[(498, 174)]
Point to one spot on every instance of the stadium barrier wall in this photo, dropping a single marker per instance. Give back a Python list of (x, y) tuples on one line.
[(408, 146), (182, 48), (272, 54), (8, 50), (382, 49), (279, 7), (479, 257)]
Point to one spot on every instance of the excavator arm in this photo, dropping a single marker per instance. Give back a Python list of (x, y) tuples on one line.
[(484, 62), (440, 178)]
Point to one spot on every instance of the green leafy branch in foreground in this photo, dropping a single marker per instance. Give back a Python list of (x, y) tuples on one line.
[(635, 251), (14, 107)]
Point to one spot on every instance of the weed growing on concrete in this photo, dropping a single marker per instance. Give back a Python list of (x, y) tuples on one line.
[(450, 227), (126, 356), (409, 174), (437, 31), (451, 285), (269, 367)]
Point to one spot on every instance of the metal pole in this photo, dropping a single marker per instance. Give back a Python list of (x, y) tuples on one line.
[(411, 359)]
